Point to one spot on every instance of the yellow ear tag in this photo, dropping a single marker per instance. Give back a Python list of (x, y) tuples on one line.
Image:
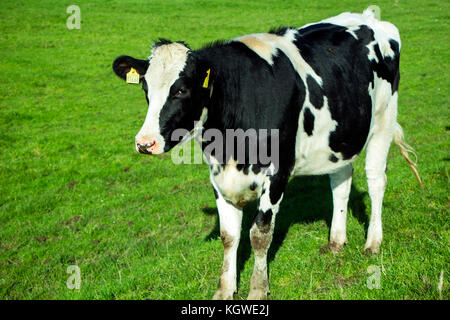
[(132, 76), (206, 82)]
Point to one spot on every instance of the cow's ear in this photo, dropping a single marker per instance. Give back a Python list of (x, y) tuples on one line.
[(123, 64)]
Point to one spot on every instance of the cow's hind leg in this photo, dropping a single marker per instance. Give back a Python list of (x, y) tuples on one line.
[(340, 182), (230, 218), (261, 234), (376, 156)]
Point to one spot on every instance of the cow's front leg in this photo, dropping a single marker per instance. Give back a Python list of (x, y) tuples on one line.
[(230, 218), (261, 234)]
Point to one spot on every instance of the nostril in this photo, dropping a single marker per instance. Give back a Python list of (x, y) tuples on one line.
[(146, 146)]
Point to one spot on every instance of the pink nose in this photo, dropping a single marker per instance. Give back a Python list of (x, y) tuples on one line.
[(146, 145)]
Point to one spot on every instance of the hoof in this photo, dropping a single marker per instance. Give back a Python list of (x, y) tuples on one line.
[(336, 247), (371, 249), (258, 294), (332, 246), (221, 295), (259, 287)]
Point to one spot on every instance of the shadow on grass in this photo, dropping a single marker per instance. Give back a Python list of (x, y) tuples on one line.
[(306, 200)]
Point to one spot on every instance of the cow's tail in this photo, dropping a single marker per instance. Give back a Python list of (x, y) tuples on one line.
[(373, 11), (405, 149)]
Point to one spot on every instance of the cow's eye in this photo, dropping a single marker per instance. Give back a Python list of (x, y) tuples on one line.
[(181, 92)]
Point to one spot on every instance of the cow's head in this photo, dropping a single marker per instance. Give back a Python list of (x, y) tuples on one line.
[(174, 83)]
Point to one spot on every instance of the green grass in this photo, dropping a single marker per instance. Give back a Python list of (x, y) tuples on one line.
[(74, 192)]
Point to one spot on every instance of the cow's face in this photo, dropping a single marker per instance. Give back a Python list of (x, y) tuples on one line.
[(173, 80)]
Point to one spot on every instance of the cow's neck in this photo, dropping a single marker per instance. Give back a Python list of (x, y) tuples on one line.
[(224, 108)]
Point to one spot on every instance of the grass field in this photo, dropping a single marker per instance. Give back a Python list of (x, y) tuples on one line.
[(74, 192)]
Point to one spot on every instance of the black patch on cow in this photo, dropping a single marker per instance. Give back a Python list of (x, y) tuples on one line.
[(315, 92), (263, 219), (253, 186), (163, 41), (244, 167), (342, 63), (278, 184), (256, 169), (308, 121), (333, 158), (216, 195), (145, 88), (387, 68), (396, 64)]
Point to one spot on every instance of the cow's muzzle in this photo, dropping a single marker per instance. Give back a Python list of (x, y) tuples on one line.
[(147, 146)]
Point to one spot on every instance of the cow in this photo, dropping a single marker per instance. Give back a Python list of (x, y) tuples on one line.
[(329, 89)]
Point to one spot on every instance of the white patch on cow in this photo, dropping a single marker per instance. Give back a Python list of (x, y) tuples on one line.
[(372, 55), (234, 184), (312, 153), (386, 50), (380, 95), (383, 32), (286, 44), (166, 63), (352, 30), (350, 20), (263, 44), (390, 30), (266, 45)]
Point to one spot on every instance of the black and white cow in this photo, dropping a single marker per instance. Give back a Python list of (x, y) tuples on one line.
[(330, 88)]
